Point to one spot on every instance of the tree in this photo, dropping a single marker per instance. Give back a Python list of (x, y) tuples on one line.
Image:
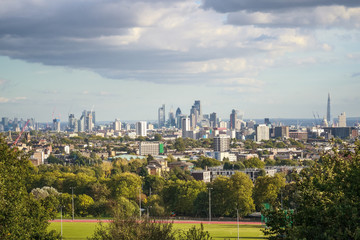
[(254, 163), (326, 201), (18, 208), (124, 227), (240, 194), (179, 145), (195, 233), (267, 188)]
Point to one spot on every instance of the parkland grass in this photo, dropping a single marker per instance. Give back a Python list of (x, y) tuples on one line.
[(82, 230)]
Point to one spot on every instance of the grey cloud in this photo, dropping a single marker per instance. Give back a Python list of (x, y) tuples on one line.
[(335, 16), (226, 6)]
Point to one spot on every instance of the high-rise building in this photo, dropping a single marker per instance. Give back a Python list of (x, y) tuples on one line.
[(185, 126), (233, 118), (342, 120), (89, 120), (117, 125), (262, 132), (267, 121), (222, 143), (213, 120), (72, 122), (328, 114), (197, 105), (281, 132), (5, 122), (161, 116), (141, 129), (56, 124), (81, 124), (172, 121)]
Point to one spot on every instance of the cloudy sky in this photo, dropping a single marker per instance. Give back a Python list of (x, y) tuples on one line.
[(125, 58)]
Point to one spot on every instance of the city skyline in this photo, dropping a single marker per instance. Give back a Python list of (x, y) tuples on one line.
[(267, 59)]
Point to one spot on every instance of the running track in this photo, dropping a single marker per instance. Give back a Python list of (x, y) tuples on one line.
[(169, 221)]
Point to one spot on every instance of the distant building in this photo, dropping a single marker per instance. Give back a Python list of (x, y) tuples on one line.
[(281, 132), (328, 113), (298, 135), (141, 129), (213, 120), (185, 126), (233, 118), (56, 125), (161, 116), (201, 175), (117, 125), (152, 148), (262, 132), (342, 120), (221, 143)]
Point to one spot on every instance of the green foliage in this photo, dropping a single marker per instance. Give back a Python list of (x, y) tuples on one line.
[(234, 166), (125, 185), (254, 163), (267, 188), (180, 195), (83, 203), (179, 145), (195, 233), (203, 162), (231, 193), (128, 228), (21, 215), (326, 201)]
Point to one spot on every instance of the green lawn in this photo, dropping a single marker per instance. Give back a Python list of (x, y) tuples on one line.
[(218, 231)]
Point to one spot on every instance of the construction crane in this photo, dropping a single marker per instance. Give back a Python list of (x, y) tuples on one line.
[(22, 131)]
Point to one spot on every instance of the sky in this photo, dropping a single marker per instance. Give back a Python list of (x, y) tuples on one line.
[(125, 58)]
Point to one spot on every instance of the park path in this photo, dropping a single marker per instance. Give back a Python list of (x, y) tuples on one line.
[(170, 221)]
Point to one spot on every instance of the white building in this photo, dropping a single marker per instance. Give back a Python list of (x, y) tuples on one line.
[(141, 129), (117, 125), (221, 143), (185, 126), (262, 132), (342, 120)]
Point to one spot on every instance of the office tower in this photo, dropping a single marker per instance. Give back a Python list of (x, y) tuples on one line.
[(197, 105), (178, 112), (185, 126), (161, 116), (213, 120), (141, 129), (5, 122), (342, 120), (267, 121), (172, 121), (117, 125), (89, 120), (56, 124), (81, 124), (195, 112), (233, 118), (72, 122), (281, 132), (262, 132), (328, 114), (222, 143)]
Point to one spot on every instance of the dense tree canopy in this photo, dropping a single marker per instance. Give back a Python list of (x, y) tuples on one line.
[(324, 202), (21, 215)]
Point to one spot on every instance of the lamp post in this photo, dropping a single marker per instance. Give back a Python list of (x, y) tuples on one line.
[(72, 201), (61, 227), (237, 220), (209, 204)]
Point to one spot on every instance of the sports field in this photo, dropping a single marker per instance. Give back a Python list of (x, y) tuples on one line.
[(82, 230)]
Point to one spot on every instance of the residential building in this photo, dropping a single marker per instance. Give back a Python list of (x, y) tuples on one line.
[(262, 132), (141, 129)]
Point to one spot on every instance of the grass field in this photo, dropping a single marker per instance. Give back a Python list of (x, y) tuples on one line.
[(82, 230)]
